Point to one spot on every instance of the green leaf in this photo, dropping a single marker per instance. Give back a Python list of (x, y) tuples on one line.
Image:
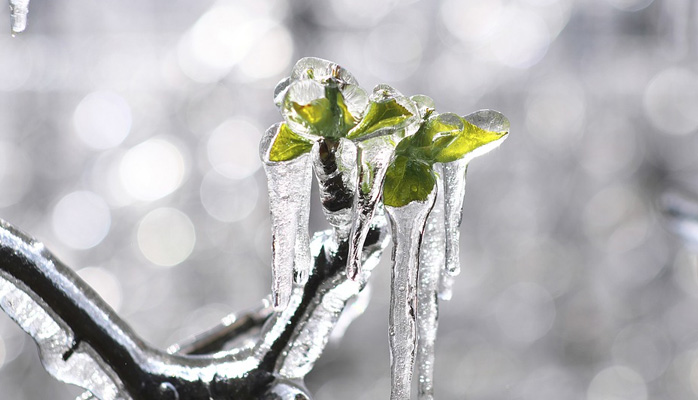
[(407, 180), (315, 109), (287, 145), (439, 129), (316, 115), (387, 109), (472, 141), (342, 117)]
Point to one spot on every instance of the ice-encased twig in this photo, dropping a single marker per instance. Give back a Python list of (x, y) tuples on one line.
[(334, 163), (19, 10), (294, 338), (407, 224), (431, 265), (289, 184), (454, 178), (373, 159)]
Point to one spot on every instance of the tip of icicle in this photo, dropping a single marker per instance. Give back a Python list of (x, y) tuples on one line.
[(19, 24)]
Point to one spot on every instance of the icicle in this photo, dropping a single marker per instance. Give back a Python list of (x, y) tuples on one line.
[(496, 130), (407, 226), (373, 159), (389, 118), (289, 185), (431, 263), (454, 177), (19, 10)]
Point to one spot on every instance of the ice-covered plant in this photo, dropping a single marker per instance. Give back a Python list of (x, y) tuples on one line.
[(373, 155), (369, 153)]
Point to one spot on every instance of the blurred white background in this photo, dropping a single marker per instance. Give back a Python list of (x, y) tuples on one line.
[(128, 144)]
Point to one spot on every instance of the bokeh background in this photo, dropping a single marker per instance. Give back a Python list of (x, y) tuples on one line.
[(128, 144)]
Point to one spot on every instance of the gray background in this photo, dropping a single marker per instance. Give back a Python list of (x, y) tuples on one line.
[(128, 144)]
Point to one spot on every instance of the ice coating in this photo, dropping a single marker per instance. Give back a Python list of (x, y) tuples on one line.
[(454, 178), (289, 185), (491, 121), (53, 337), (319, 70), (376, 147), (313, 335), (297, 95), (407, 224), (19, 10), (334, 163), (373, 159), (431, 264), (54, 340)]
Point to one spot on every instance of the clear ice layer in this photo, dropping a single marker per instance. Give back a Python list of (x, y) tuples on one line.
[(431, 266), (373, 159), (289, 202), (289, 184), (454, 178), (335, 169), (407, 224)]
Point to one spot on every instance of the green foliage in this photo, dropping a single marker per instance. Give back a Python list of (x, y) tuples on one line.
[(407, 180), (381, 115), (442, 138), (287, 145), (470, 139), (323, 100)]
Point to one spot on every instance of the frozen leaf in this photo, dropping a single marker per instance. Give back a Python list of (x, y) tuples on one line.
[(306, 109), (287, 145), (388, 112), (407, 180), (483, 131), (312, 109), (435, 135)]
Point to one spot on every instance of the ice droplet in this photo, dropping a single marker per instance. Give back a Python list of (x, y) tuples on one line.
[(289, 185), (431, 264), (407, 224), (454, 177), (19, 10)]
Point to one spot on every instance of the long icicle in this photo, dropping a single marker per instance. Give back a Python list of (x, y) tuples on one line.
[(373, 159), (454, 179), (431, 264), (289, 184), (407, 226)]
